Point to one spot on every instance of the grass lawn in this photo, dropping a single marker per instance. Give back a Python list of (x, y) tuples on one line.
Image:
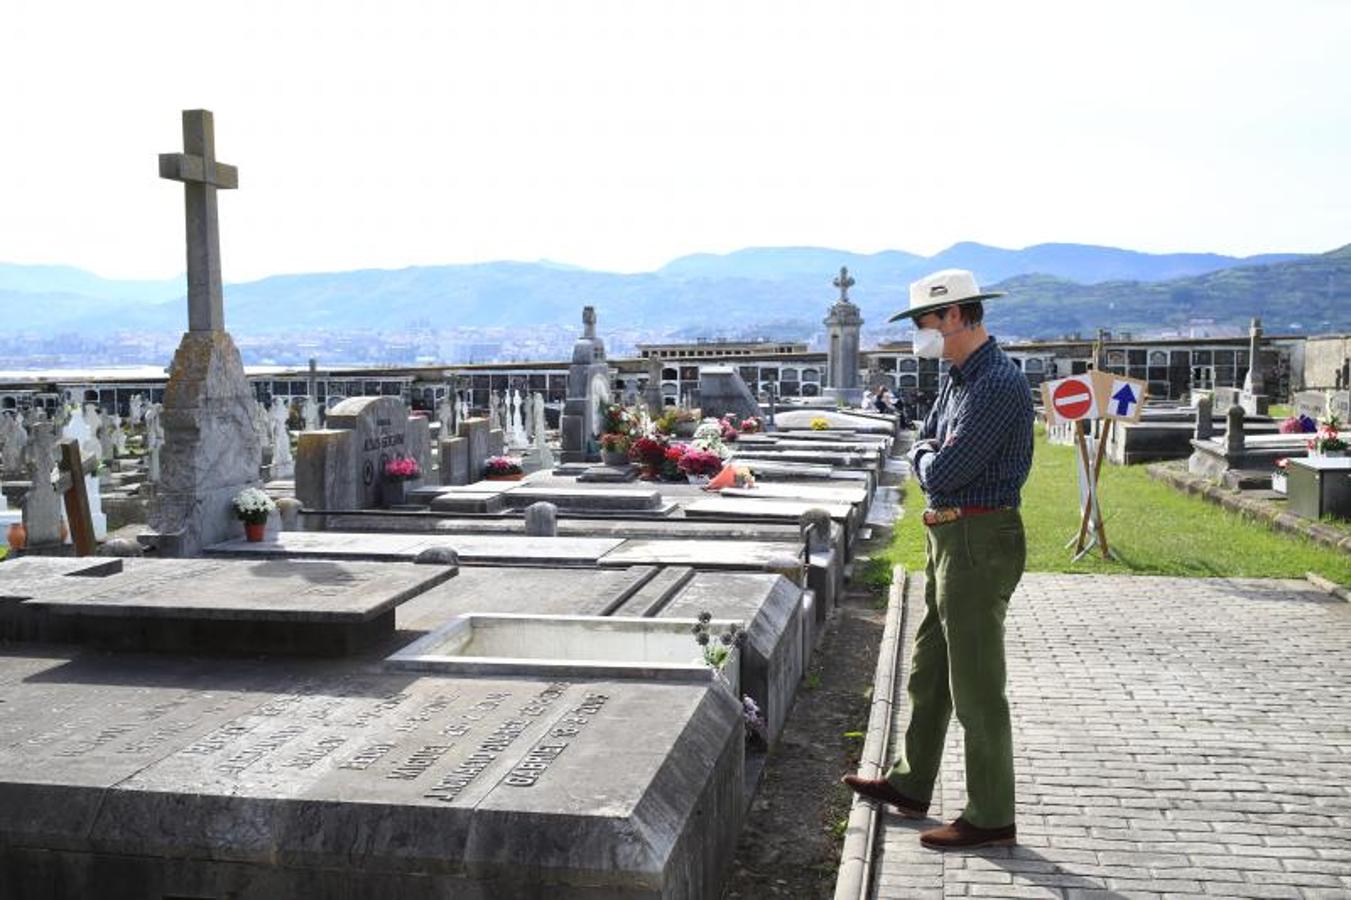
[(1280, 411), (1154, 529)]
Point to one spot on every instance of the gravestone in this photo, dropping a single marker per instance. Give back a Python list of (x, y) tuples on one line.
[(1205, 418), (211, 452), (1254, 397), (342, 466), (474, 431), (42, 505), (588, 388), (722, 391), (283, 462), (455, 460), (14, 436), (154, 441)]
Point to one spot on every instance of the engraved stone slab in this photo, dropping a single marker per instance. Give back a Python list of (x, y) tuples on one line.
[(296, 780), (775, 508), (484, 549), (706, 554)]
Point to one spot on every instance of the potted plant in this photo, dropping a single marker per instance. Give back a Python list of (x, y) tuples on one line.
[(614, 448), (684, 422), (252, 507), (502, 468), (398, 472), (1278, 478), (1327, 441), (752, 425)]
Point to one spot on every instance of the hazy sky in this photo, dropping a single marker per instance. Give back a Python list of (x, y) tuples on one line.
[(622, 134)]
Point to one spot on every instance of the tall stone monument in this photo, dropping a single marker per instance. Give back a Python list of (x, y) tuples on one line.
[(588, 387), (1255, 400), (211, 450), (843, 324)]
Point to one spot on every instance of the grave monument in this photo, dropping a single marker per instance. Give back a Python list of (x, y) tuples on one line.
[(210, 451), (588, 388), (843, 324)]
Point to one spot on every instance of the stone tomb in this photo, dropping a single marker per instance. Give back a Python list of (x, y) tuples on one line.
[(342, 466), (203, 605), (156, 777), (491, 549)]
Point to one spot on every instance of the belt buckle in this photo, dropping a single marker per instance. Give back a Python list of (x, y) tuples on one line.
[(943, 516)]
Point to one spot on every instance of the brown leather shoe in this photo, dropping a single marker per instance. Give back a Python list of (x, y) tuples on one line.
[(962, 835), (880, 789)]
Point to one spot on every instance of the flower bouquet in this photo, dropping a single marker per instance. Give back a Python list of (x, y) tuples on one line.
[(820, 423), (405, 468), (503, 468), (252, 507), (650, 453), (716, 649), (1327, 441), (752, 425), (699, 465)]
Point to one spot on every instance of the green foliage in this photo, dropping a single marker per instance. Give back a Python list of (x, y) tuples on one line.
[(1154, 529)]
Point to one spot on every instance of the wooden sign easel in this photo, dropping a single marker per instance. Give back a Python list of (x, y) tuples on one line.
[(1092, 533)]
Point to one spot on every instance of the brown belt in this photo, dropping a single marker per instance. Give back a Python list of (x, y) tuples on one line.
[(948, 514)]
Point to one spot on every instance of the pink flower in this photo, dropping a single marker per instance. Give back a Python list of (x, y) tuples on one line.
[(403, 467)]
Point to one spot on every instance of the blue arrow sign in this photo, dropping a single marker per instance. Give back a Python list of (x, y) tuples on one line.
[(1125, 398)]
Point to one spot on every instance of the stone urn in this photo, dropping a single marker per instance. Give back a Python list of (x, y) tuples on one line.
[(614, 457)]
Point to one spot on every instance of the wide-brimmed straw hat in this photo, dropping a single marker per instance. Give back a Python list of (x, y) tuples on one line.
[(945, 288)]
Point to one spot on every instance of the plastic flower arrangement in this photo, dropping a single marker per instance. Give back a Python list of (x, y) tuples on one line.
[(618, 419), (1328, 438), (752, 425), (1298, 425), (729, 431), (820, 423), (402, 469), (744, 477), (700, 462), (615, 441), (253, 506), (502, 465), (1282, 463), (716, 648)]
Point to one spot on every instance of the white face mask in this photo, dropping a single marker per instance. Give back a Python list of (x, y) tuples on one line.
[(928, 343)]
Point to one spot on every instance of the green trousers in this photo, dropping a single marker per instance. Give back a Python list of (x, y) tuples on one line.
[(972, 566)]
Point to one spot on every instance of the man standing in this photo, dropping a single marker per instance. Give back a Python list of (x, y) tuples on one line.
[(971, 457)]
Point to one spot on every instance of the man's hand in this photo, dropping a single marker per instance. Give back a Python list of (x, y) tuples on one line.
[(918, 449)]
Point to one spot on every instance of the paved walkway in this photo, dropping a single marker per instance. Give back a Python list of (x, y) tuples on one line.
[(1173, 737)]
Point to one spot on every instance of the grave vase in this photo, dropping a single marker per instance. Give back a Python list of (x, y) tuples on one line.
[(394, 492), (614, 457), (515, 476), (254, 531), (17, 536)]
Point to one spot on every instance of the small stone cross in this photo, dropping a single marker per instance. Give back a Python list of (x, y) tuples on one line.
[(844, 282), (201, 175)]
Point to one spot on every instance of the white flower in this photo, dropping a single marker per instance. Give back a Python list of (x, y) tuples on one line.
[(253, 500)]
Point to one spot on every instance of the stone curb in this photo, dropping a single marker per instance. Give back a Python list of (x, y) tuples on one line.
[(1285, 522), (854, 880), (1329, 586)]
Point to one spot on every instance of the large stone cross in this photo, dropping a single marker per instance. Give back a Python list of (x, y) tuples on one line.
[(844, 282), (201, 175)]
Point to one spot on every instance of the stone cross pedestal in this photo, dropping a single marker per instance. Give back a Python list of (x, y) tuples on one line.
[(210, 451), (843, 325)]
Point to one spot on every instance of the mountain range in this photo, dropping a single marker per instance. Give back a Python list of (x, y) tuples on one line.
[(1054, 289)]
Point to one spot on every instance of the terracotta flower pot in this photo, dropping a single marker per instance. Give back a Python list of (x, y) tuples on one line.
[(17, 536), (515, 477), (254, 531)]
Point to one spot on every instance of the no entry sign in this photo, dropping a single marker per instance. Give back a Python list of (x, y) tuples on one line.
[(1073, 398)]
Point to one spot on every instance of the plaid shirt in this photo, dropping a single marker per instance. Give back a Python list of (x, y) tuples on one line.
[(982, 422)]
